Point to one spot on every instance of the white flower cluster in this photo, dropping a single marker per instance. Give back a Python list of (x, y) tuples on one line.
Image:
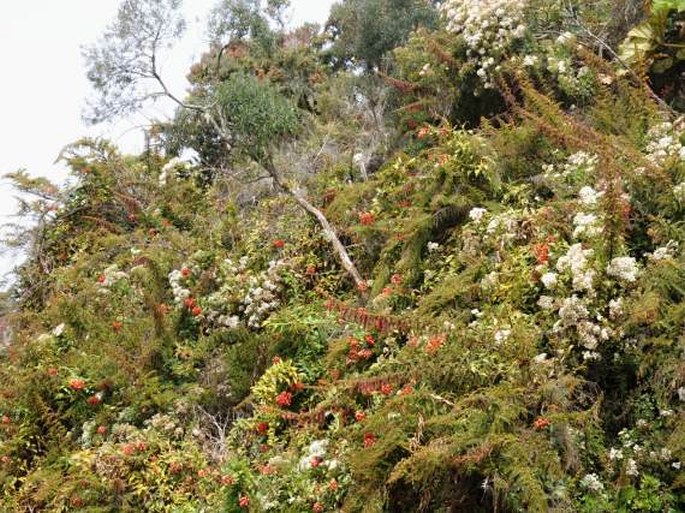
[(175, 164), (624, 269), (589, 196), (591, 482), (586, 225), (679, 193), (176, 279), (477, 213), (166, 423), (110, 276), (315, 456), (262, 297), (576, 262), (663, 144), (666, 252), (490, 28)]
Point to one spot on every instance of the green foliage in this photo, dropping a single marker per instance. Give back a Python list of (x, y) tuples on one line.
[(185, 340)]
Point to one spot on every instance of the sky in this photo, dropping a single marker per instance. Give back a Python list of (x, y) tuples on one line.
[(43, 88)]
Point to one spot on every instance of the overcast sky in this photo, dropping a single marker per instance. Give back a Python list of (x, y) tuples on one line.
[(43, 86)]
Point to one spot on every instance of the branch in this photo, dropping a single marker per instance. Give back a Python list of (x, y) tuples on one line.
[(329, 232)]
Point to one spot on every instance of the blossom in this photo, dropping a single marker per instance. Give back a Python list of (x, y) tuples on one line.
[(624, 269), (615, 454), (546, 302), (244, 501), (317, 507), (432, 247), (588, 196), (631, 468), (367, 218), (592, 483), (369, 440), (77, 384), (541, 423), (359, 415), (549, 280), (501, 336), (94, 400), (284, 399), (586, 225), (477, 213)]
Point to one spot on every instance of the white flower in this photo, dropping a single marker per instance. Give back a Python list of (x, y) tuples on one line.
[(586, 224), (615, 308), (501, 336), (592, 483), (546, 302), (58, 330), (433, 246), (477, 213), (681, 393), (665, 413), (624, 269), (676, 465), (530, 60), (615, 454), (631, 468), (541, 358), (588, 196), (549, 280)]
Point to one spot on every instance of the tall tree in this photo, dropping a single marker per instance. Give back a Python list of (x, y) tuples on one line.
[(250, 116)]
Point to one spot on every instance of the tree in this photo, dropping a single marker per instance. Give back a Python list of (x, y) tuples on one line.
[(250, 116), (123, 65), (365, 31)]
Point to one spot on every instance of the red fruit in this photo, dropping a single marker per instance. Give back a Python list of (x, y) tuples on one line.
[(77, 384), (203, 472), (386, 389), (117, 325), (244, 501), (102, 430), (276, 360), (396, 279), (278, 243), (284, 399), (541, 423), (189, 302), (310, 270), (94, 400), (541, 252), (369, 440), (367, 218), (315, 461), (185, 272), (262, 428), (102, 278), (370, 340), (317, 507), (196, 311), (227, 480), (359, 415)]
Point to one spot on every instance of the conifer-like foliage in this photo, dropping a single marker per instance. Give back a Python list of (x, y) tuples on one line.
[(512, 196)]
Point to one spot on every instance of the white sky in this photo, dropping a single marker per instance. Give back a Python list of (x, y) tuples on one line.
[(43, 86)]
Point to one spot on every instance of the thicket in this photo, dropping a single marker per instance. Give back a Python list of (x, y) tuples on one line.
[(509, 184)]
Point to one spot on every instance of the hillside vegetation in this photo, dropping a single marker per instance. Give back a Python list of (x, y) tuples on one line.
[(428, 258)]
